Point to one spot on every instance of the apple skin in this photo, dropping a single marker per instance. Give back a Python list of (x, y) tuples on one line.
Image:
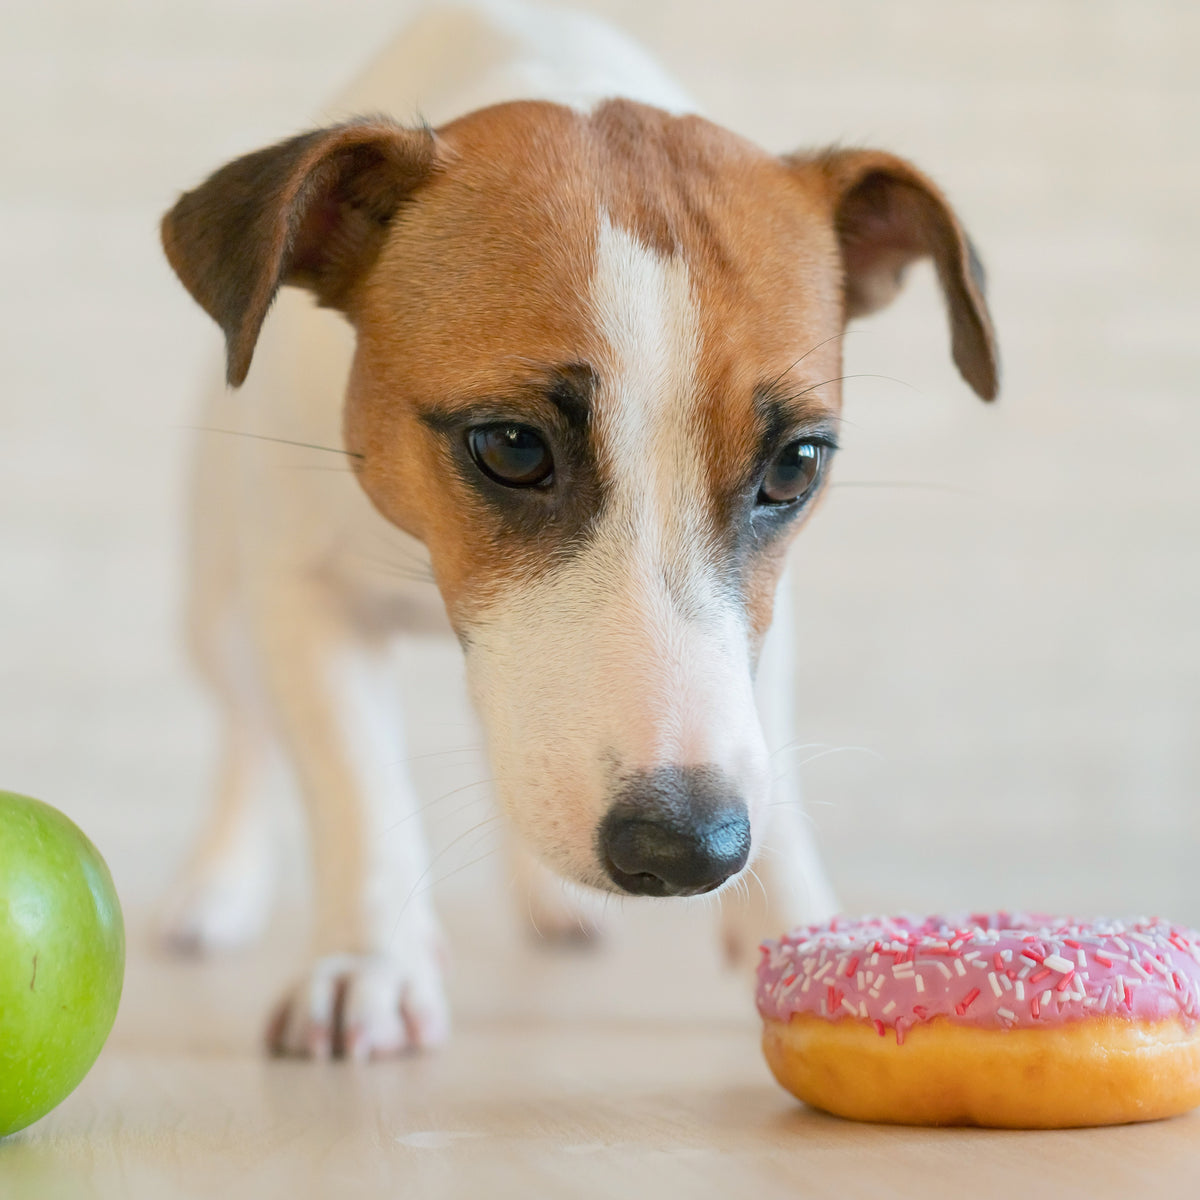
[(62, 958)]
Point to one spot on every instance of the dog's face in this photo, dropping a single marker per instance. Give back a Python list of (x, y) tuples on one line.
[(596, 373)]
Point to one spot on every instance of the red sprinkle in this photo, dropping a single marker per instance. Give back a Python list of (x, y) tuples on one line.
[(969, 999), (997, 961), (878, 1026), (1103, 960), (1072, 943), (852, 966), (1064, 982), (1032, 955), (788, 980), (1035, 1008), (1038, 976), (921, 1011)]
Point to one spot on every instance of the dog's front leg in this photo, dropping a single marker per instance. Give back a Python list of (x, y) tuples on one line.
[(374, 988), (789, 885)]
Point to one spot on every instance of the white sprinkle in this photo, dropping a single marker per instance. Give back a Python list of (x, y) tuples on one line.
[(1123, 944), (1025, 971), (1056, 962), (941, 966), (1121, 988), (874, 992), (996, 991), (1141, 937), (1047, 996), (1019, 990), (958, 967), (1080, 957), (824, 1008), (805, 986), (862, 1009), (860, 979), (849, 1007), (919, 982), (1006, 956), (1137, 966), (971, 955), (1006, 983), (887, 1008), (1106, 995), (875, 959), (980, 963), (1006, 1013), (827, 967)]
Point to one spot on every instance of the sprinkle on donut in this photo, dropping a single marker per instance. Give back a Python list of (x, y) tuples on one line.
[(1002, 970)]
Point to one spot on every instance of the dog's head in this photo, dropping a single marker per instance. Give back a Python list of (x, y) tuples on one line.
[(597, 374)]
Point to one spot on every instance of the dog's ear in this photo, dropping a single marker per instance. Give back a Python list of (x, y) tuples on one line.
[(310, 211), (887, 214)]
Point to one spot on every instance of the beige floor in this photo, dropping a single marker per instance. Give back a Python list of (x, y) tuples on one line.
[(1003, 650), (630, 1070)]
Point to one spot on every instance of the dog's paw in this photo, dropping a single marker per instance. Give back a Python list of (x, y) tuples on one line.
[(220, 904), (362, 1007)]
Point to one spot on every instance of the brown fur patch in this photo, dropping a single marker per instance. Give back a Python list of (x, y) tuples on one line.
[(487, 278), (480, 286)]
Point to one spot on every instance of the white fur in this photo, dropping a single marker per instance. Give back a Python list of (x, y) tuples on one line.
[(604, 667), (296, 600)]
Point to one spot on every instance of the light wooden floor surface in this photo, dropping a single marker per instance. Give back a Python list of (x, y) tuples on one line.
[(630, 1070)]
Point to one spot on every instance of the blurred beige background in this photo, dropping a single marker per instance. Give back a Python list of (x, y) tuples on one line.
[(999, 607)]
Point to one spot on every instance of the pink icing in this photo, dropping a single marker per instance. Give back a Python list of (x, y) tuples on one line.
[(1003, 970)]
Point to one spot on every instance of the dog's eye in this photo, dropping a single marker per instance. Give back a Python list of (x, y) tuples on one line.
[(792, 473), (513, 455)]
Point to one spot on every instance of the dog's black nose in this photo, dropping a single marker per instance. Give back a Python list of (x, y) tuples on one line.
[(675, 831)]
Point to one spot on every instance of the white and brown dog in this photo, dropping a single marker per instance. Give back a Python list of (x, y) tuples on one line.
[(592, 380)]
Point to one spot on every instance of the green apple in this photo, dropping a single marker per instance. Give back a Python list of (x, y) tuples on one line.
[(62, 958)]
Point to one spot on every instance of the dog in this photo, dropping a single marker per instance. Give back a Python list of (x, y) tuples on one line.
[(589, 381)]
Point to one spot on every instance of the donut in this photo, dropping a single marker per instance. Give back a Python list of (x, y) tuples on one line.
[(1007, 1020)]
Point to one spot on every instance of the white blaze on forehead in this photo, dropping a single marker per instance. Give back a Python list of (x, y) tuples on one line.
[(649, 324), (633, 654)]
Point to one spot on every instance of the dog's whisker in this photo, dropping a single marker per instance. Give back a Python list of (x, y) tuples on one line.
[(263, 437), (411, 758), (789, 747), (908, 486), (812, 350), (793, 396), (826, 752), (414, 891), (761, 886), (424, 808), (415, 570), (450, 874)]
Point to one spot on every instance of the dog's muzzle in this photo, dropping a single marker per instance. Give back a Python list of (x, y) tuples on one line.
[(674, 831)]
